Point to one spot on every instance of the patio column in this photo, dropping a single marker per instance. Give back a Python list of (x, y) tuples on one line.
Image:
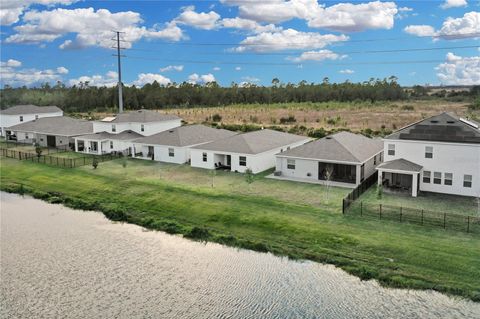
[(76, 145), (380, 177), (414, 184)]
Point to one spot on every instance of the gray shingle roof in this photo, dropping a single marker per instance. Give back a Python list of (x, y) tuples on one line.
[(127, 135), (58, 125), (341, 146), (444, 127), (253, 142), (400, 165), (29, 109), (186, 136), (141, 116)]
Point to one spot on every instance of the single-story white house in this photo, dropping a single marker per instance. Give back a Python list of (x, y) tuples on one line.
[(24, 113), (143, 122), (440, 154), (342, 159), (174, 145), (254, 150), (105, 143), (51, 131)]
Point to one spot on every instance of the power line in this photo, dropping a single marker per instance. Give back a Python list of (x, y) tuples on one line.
[(338, 52)]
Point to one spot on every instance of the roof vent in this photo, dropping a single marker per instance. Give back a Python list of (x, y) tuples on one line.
[(450, 122), (469, 123), (171, 131), (328, 137), (433, 121)]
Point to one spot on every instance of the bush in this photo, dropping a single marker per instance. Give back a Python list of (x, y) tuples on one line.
[(38, 150), (198, 233), (95, 163), (288, 120), (248, 176), (216, 117), (408, 107)]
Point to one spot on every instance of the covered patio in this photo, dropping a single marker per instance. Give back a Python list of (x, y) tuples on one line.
[(400, 176)]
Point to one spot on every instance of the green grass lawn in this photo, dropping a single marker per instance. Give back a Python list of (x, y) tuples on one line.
[(441, 203), (285, 218)]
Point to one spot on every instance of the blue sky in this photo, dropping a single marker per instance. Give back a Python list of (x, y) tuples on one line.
[(240, 41)]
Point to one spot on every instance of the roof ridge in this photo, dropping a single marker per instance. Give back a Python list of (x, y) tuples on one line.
[(345, 148)]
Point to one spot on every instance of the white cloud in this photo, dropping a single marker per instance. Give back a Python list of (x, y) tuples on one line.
[(346, 71), (177, 68), (420, 30), (467, 26), (202, 20), (250, 79), (319, 55), (216, 68), (12, 75), (92, 28), (144, 78), (340, 17), (238, 68), (62, 70), (201, 79), (453, 4), (356, 17), (11, 63), (457, 70), (108, 80), (288, 39), (12, 9), (247, 24)]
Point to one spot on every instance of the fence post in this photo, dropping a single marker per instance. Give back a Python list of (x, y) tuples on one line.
[(400, 213), (343, 206), (444, 220), (361, 208), (64, 162), (380, 210), (468, 224), (422, 217)]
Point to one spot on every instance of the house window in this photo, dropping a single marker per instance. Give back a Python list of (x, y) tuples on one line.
[(375, 160), (36, 117), (21, 118), (428, 152), (437, 178), (114, 129), (290, 164), (362, 172), (111, 144), (242, 161), (426, 177), (391, 149), (171, 152), (142, 128), (448, 179), (381, 158), (467, 181), (204, 157)]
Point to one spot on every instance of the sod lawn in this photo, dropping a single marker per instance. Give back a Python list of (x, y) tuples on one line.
[(285, 218)]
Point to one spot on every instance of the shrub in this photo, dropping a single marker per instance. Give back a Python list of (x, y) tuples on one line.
[(38, 150), (288, 120), (95, 163), (408, 107), (248, 176), (216, 117), (198, 233)]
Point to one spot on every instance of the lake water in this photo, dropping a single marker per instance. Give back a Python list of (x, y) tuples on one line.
[(60, 263)]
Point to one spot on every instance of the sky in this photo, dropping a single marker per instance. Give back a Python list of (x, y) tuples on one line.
[(241, 41)]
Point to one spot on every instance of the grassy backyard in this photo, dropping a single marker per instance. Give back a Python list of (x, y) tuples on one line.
[(285, 218), (440, 203)]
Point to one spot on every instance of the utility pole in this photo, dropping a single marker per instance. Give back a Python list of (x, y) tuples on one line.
[(120, 93)]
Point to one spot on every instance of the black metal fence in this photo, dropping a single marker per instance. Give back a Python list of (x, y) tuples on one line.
[(359, 190), (58, 161), (23, 143), (469, 224)]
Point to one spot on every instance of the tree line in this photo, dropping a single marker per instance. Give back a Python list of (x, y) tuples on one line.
[(84, 98)]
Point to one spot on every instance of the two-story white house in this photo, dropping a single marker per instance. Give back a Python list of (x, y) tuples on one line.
[(24, 113), (143, 122), (116, 133), (439, 154)]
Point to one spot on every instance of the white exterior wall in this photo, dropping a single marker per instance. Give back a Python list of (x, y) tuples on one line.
[(10, 120), (41, 139), (150, 128), (257, 162), (306, 167), (161, 154), (103, 146), (455, 158)]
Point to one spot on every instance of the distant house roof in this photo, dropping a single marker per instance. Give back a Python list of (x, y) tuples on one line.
[(444, 127), (341, 146), (253, 142), (400, 165), (140, 116), (186, 136), (127, 135), (29, 109), (57, 125)]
